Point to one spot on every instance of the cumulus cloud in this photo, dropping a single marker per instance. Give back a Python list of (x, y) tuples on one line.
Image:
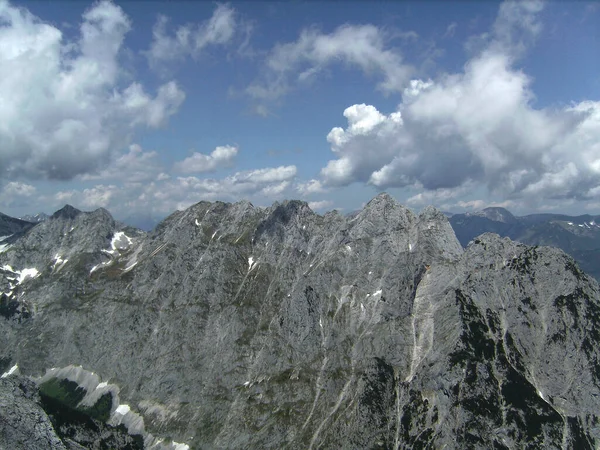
[(477, 127), (190, 39), (267, 183), (16, 193), (99, 196), (134, 166), (222, 156), (361, 46), (310, 187), (320, 205), (64, 110), (438, 196)]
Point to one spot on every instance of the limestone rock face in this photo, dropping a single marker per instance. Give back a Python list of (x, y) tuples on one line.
[(23, 422), (231, 326)]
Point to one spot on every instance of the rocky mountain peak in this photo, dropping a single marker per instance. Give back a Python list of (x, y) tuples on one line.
[(66, 212)]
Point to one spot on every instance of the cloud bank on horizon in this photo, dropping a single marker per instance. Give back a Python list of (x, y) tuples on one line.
[(78, 105)]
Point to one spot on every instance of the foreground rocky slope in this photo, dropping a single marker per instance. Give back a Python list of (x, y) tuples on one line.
[(231, 326)]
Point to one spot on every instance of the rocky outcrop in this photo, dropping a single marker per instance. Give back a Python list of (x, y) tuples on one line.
[(23, 422), (231, 326)]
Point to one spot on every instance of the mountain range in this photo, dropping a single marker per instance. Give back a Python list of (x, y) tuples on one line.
[(234, 326), (579, 236)]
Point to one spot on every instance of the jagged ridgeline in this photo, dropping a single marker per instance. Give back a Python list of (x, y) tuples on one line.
[(232, 326)]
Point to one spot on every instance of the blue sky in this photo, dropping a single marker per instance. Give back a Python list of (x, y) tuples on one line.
[(147, 107)]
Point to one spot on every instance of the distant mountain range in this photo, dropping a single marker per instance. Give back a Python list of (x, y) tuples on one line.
[(579, 236), (35, 218)]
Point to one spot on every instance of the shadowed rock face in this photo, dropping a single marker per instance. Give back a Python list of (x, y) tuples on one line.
[(231, 326)]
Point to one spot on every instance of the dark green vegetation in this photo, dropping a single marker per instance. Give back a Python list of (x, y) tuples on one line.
[(84, 425)]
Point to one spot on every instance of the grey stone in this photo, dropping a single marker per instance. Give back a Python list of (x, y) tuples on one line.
[(232, 326)]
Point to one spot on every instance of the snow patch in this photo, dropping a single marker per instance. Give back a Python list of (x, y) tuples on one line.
[(123, 409), (13, 370), (251, 263), (58, 262), (197, 223), (570, 223), (30, 272), (120, 241), (377, 292), (348, 248)]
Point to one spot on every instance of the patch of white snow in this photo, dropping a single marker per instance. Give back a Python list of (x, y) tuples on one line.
[(123, 409), (30, 272), (377, 292), (58, 262), (11, 371), (251, 263), (197, 223), (120, 241)]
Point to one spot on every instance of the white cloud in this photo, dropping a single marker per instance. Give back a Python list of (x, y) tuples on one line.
[(478, 127), (63, 111), (190, 40), (361, 46), (134, 166), (222, 156), (320, 205), (450, 30), (99, 196), (438, 196), (16, 193), (474, 205), (162, 197), (310, 187)]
